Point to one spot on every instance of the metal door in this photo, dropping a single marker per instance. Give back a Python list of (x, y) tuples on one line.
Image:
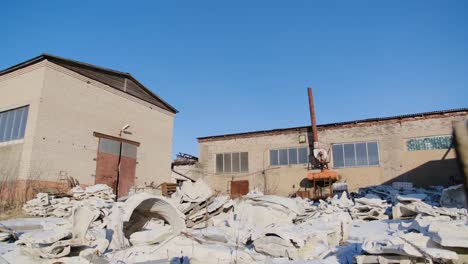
[(116, 165), (127, 168), (107, 163), (239, 188)]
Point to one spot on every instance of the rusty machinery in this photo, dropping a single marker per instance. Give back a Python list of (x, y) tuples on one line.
[(319, 174)]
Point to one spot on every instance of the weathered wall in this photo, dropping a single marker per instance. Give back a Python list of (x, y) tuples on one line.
[(10, 156), (73, 107), (260, 175), (396, 163), (20, 88), (192, 171)]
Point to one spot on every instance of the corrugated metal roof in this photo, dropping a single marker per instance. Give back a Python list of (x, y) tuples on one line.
[(337, 124), (122, 81)]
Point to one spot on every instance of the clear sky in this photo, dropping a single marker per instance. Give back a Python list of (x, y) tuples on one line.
[(236, 66)]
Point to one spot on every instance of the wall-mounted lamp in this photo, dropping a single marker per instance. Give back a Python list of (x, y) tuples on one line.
[(124, 130)]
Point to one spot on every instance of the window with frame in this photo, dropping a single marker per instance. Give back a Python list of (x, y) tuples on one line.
[(13, 124), (234, 162), (289, 156), (429, 143), (360, 154)]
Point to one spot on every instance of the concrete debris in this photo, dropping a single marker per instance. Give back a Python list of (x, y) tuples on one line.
[(454, 196), (449, 233), (195, 192), (99, 196), (369, 209), (198, 203), (414, 245), (197, 225), (135, 213), (390, 193), (151, 236), (101, 191), (7, 233), (343, 201), (410, 208)]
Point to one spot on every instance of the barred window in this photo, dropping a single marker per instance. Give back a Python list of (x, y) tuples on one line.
[(232, 162), (13, 124), (288, 156), (355, 154), (429, 143)]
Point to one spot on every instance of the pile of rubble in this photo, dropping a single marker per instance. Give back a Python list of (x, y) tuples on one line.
[(98, 197), (381, 224), (199, 204)]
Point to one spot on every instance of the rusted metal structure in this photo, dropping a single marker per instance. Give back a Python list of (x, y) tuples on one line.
[(313, 121), (318, 158)]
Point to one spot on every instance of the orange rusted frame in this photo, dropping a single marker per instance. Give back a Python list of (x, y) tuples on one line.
[(325, 174)]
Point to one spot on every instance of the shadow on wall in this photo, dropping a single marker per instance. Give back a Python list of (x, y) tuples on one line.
[(306, 183), (435, 172)]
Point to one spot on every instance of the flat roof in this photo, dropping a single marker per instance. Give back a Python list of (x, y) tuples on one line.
[(331, 125)]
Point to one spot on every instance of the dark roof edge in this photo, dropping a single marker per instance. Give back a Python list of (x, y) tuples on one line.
[(83, 64), (465, 109)]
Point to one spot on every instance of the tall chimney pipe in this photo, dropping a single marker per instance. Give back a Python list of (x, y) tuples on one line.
[(312, 116)]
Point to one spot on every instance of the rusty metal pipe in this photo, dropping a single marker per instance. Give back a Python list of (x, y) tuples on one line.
[(312, 116)]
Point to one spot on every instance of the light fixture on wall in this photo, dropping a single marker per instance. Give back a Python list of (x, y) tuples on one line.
[(302, 139), (124, 130)]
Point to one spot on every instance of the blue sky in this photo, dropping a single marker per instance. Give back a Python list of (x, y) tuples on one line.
[(235, 66)]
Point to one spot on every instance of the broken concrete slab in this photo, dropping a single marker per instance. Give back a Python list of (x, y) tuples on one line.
[(454, 196), (449, 233), (413, 197), (393, 245), (195, 192), (152, 236), (427, 247)]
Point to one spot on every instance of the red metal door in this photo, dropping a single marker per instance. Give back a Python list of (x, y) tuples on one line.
[(239, 188), (116, 165), (127, 168), (107, 163)]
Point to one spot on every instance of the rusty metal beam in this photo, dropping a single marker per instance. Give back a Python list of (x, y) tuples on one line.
[(312, 115)]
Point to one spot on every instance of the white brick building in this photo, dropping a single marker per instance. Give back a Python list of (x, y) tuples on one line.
[(61, 118), (415, 148)]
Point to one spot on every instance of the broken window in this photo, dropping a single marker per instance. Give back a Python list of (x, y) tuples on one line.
[(13, 124), (288, 156), (355, 154), (232, 162)]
